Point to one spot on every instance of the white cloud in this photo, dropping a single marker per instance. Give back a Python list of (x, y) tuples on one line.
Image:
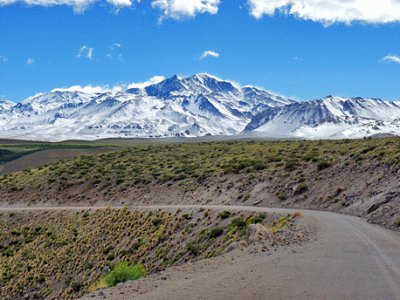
[(85, 51), (89, 89), (392, 58), (7, 2), (209, 53), (30, 61), (96, 89), (113, 51), (177, 9), (331, 11), (4, 59), (115, 46), (121, 3), (152, 80), (78, 5)]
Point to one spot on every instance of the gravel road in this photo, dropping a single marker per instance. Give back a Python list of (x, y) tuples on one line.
[(347, 259)]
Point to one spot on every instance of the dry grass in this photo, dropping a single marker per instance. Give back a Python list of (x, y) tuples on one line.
[(65, 254), (162, 163)]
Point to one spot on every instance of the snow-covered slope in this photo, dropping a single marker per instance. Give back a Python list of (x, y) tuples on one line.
[(194, 106), (5, 104), (198, 105), (330, 117)]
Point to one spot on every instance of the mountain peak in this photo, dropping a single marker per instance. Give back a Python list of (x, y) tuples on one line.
[(197, 105), (6, 104)]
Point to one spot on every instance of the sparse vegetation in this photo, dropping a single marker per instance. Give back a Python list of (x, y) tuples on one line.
[(238, 222), (65, 254), (143, 164), (224, 214), (191, 167), (323, 164), (122, 272), (281, 196), (301, 188)]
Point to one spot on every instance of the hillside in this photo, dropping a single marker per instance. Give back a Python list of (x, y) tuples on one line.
[(63, 254), (359, 177)]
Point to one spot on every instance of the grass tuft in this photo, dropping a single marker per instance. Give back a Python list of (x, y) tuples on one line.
[(122, 272)]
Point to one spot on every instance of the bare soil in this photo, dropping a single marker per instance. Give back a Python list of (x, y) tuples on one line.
[(369, 190)]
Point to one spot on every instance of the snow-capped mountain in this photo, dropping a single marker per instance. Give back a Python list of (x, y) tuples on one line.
[(5, 104), (198, 105), (330, 117), (194, 106)]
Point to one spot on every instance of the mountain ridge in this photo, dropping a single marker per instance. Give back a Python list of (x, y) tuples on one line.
[(193, 106)]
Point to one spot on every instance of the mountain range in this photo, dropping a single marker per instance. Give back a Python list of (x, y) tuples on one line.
[(193, 106)]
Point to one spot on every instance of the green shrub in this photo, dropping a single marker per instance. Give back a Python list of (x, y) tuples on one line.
[(281, 196), (260, 218), (194, 248), (123, 272), (323, 164), (291, 165), (238, 222), (157, 221), (397, 223), (224, 214), (301, 188), (373, 208), (76, 285), (215, 232), (187, 216)]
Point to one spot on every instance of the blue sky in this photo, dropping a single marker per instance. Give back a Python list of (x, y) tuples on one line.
[(290, 52)]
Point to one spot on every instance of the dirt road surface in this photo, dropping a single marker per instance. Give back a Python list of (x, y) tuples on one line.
[(347, 259)]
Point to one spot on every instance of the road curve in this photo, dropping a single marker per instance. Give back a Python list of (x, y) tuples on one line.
[(349, 259)]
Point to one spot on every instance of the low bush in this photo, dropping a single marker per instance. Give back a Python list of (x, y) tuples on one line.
[(122, 272), (260, 218), (224, 214), (215, 232), (323, 164), (301, 188), (281, 196), (194, 248), (238, 222)]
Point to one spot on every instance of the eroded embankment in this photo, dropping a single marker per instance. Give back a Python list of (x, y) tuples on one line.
[(64, 253)]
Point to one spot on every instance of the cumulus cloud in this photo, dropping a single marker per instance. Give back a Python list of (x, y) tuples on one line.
[(78, 5), (7, 2), (85, 51), (121, 3), (29, 61), (97, 89), (152, 80), (330, 11), (392, 58), (89, 89), (209, 53), (177, 9)]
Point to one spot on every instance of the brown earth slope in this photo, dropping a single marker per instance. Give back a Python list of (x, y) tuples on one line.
[(358, 177), (62, 253)]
